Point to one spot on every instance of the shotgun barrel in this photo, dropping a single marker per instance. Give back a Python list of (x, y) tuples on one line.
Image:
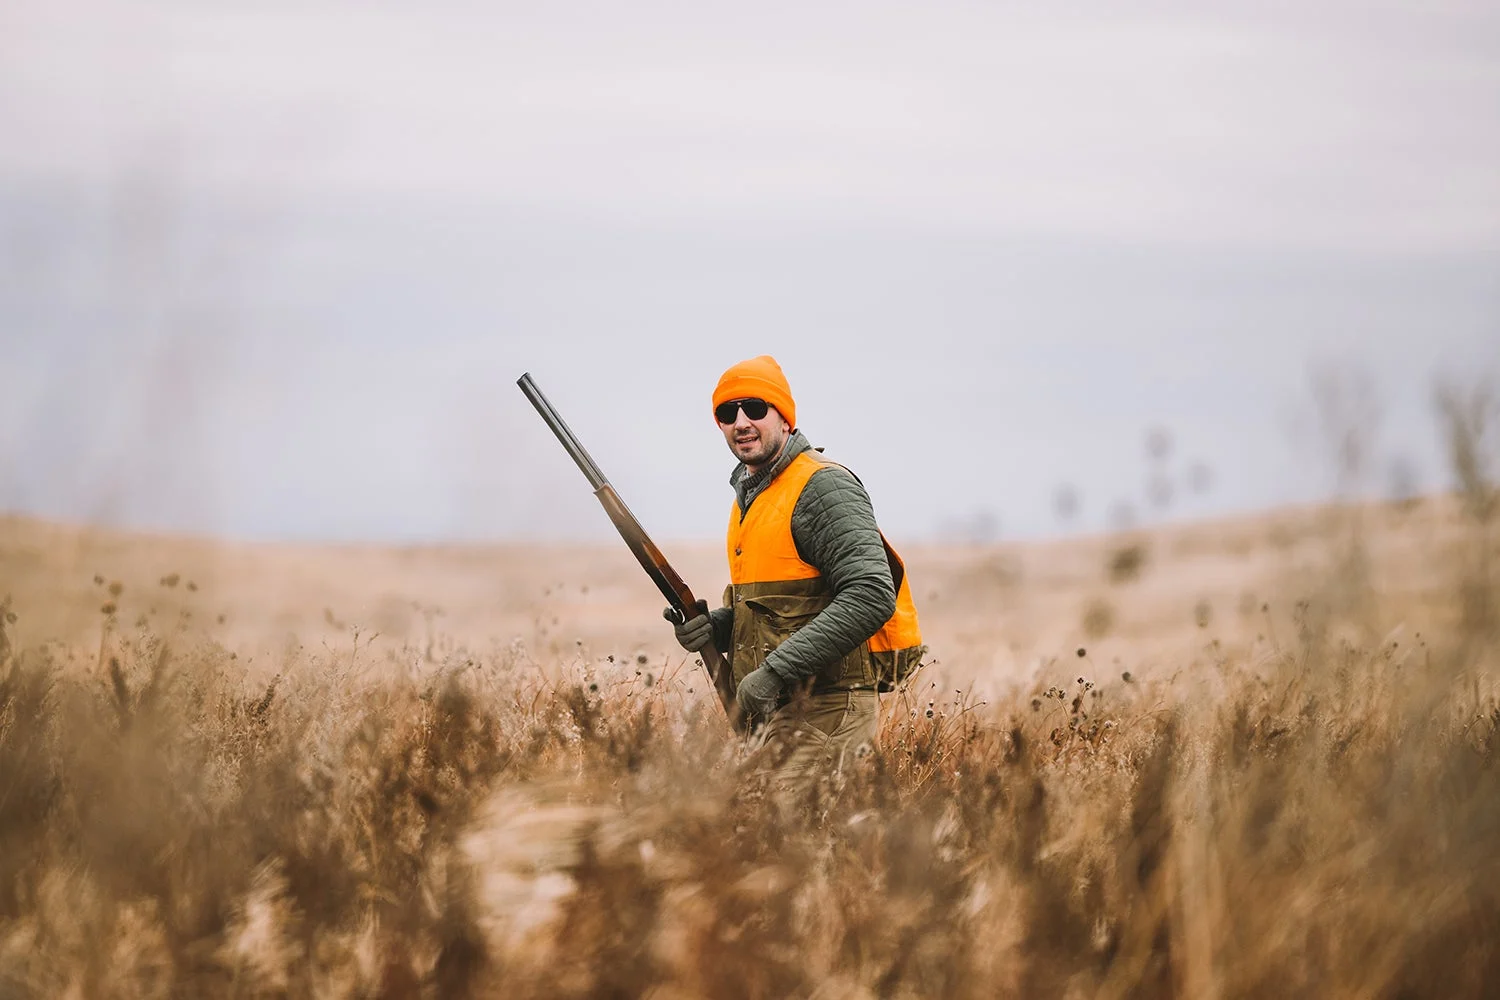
[(679, 596)]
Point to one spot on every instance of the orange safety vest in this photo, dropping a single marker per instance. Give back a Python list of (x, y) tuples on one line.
[(774, 592)]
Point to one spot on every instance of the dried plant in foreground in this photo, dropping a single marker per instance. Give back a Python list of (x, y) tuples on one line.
[(1318, 822)]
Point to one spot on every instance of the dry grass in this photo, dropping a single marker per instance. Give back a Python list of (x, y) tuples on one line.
[(1301, 798), (1318, 818)]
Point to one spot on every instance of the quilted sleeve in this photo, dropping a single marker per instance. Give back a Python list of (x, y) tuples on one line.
[(834, 527), (722, 622)]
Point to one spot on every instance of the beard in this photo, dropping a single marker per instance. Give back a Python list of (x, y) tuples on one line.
[(760, 450)]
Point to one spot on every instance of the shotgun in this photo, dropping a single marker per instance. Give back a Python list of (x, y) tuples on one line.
[(684, 605)]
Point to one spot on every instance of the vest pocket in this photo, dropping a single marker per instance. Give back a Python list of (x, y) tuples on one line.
[(786, 611), (777, 617)]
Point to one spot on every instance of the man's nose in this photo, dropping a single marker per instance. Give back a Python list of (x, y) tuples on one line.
[(741, 422)]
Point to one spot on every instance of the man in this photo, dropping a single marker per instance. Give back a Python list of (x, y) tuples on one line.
[(818, 615)]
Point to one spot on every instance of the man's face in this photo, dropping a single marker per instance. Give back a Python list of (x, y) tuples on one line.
[(755, 442)]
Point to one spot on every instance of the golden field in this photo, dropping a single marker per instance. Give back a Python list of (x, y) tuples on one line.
[(1255, 757)]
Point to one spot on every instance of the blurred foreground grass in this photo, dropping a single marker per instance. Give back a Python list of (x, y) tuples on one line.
[(1317, 819)]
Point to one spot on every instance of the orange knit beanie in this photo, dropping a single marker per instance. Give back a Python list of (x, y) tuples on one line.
[(760, 378)]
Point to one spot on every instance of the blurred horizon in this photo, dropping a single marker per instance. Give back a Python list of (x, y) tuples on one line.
[(270, 272)]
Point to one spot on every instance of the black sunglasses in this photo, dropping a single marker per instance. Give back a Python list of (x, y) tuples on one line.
[(755, 409)]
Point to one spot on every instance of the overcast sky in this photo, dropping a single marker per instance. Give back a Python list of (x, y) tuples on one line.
[(271, 269)]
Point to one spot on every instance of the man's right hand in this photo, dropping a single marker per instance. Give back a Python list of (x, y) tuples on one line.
[(696, 632)]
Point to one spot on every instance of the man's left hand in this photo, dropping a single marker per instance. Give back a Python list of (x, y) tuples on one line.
[(759, 693)]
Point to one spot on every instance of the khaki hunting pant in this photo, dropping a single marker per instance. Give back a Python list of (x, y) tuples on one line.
[(817, 735)]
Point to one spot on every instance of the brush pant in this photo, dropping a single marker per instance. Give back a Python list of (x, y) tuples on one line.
[(817, 735)]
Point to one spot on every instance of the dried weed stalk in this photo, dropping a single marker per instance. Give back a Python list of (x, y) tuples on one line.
[(1324, 826)]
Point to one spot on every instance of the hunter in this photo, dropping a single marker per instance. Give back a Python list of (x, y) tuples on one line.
[(818, 616)]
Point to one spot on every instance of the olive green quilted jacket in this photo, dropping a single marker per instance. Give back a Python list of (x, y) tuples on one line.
[(833, 526)]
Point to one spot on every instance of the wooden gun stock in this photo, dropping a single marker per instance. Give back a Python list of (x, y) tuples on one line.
[(671, 585)]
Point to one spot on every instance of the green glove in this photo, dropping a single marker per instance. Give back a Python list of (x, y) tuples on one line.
[(696, 632), (759, 693)]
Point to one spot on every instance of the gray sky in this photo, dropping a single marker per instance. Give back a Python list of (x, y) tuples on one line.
[(272, 270)]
